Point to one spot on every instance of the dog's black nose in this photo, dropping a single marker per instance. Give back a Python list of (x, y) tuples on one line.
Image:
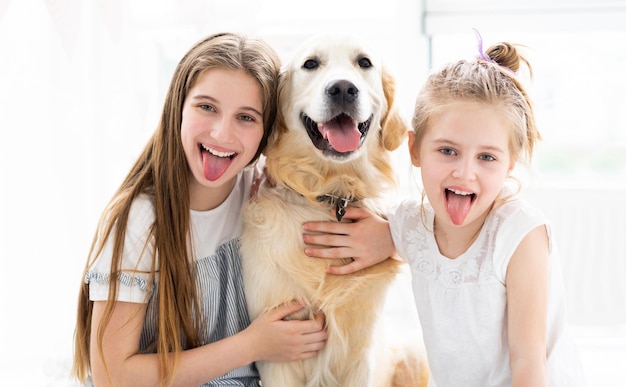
[(342, 92)]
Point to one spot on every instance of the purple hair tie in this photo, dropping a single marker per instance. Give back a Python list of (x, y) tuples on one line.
[(481, 53), (485, 57)]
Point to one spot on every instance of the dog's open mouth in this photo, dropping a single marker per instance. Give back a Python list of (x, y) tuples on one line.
[(339, 136)]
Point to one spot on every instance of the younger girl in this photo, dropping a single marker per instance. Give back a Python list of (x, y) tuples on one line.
[(485, 270), (162, 300)]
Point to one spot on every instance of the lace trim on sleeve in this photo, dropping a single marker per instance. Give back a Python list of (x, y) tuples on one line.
[(124, 278)]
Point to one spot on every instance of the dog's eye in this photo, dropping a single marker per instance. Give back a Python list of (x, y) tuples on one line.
[(310, 64), (365, 63)]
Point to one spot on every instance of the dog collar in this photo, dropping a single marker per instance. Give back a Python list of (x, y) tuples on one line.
[(340, 203)]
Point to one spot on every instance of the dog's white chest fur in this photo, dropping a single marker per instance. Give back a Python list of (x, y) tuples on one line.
[(276, 271)]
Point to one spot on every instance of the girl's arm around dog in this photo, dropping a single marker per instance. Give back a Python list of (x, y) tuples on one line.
[(269, 337), (366, 239)]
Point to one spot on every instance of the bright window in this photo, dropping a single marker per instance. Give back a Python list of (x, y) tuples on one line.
[(579, 93)]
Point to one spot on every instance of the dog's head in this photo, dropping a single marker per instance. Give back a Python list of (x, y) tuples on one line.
[(336, 106)]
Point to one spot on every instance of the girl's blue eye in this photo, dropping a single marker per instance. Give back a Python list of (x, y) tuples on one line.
[(246, 118), (447, 151), (486, 157)]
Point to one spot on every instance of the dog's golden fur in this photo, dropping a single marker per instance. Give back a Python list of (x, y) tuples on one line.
[(276, 270)]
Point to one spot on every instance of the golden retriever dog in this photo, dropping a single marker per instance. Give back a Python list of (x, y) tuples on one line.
[(336, 126)]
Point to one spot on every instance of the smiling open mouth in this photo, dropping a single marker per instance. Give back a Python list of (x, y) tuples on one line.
[(340, 136)]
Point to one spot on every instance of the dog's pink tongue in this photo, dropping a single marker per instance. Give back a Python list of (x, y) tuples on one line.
[(458, 207), (342, 134), (214, 166)]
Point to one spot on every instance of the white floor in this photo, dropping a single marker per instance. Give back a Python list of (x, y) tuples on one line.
[(604, 361), (603, 353), (46, 360)]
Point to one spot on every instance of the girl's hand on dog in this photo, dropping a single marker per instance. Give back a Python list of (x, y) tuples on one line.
[(366, 239), (279, 340)]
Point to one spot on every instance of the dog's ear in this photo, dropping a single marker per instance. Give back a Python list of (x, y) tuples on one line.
[(394, 126), (279, 122)]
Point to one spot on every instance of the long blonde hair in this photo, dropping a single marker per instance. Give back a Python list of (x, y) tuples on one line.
[(162, 172)]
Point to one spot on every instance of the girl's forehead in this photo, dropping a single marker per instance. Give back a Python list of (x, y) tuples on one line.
[(471, 122), (467, 114)]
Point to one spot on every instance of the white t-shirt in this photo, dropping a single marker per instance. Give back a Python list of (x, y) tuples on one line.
[(462, 302), (137, 257), (218, 269)]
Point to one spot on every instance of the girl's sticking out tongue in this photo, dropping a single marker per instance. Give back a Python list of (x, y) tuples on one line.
[(458, 205), (214, 166)]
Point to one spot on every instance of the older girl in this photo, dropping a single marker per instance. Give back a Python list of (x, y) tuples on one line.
[(162, 300)]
